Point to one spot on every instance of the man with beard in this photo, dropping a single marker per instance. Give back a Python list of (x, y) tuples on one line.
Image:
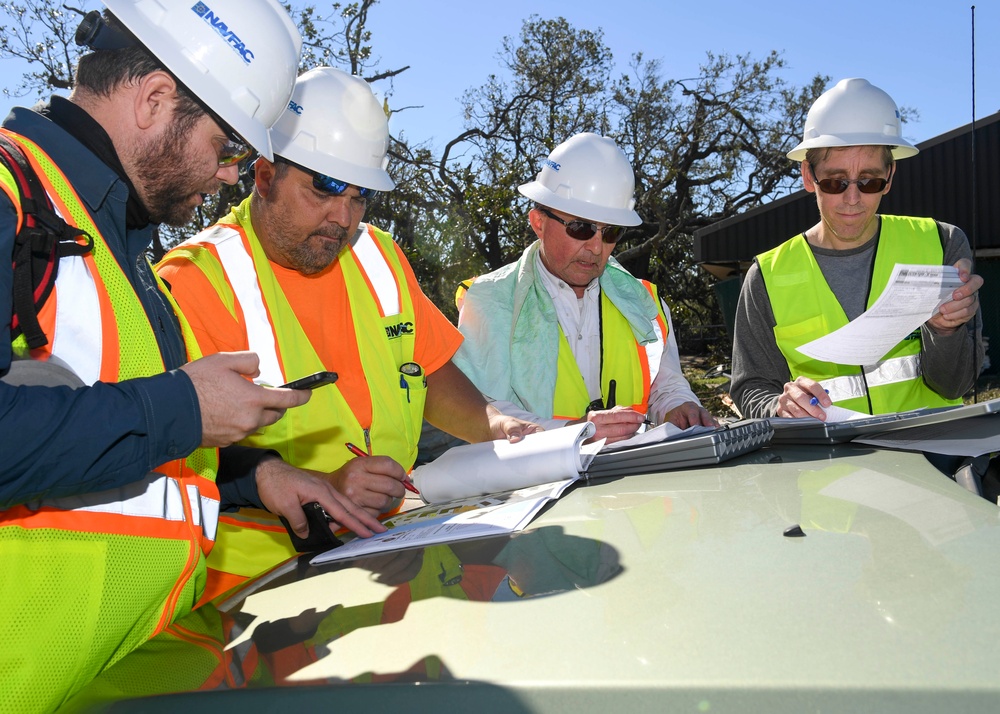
[(110, 423), (295, 275)]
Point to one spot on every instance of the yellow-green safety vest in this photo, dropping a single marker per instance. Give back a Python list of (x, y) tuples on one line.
[(87, 579), (805, 309), (632, 369)]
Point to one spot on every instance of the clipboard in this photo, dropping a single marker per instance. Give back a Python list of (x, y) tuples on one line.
[(704, 449), (807, 430)]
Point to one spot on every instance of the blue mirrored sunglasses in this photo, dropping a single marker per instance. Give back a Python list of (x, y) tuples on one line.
[(328, 184)]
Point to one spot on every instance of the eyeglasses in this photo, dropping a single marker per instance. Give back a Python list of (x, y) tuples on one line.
[(233, 152), (865, 185), (328, 184), (582, 230), (236, 147)]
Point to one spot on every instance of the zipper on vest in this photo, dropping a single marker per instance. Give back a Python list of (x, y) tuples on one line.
[(868, 391), (368, 440)]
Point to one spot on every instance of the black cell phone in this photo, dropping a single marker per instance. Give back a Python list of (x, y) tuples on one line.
[(320, 536), (318, 379)]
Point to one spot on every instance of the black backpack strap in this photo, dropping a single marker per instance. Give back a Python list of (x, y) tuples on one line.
[(44, 237)]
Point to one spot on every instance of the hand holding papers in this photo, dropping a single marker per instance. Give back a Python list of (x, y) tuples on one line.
[(913, 295), (494, 466)]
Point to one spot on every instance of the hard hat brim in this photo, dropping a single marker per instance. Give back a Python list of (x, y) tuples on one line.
[(581, 209), (901, 149)]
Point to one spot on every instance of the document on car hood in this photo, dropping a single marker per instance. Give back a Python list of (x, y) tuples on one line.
[(494, 466), (913, 295), (967, 437), (461, 519)]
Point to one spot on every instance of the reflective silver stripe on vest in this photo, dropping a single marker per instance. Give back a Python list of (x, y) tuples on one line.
[(78, 339), (654, 352), (891, 371), (379, 273), (243, 279), (156, 496), (204, 511)]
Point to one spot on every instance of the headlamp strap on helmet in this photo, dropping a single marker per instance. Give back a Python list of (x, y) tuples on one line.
[(97, 34)]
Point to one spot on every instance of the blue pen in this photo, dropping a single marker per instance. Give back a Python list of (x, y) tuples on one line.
[(815, 400)]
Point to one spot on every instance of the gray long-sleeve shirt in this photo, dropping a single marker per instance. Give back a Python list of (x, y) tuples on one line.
[(950, 363)]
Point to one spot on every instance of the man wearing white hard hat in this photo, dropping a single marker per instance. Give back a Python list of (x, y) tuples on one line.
[(818, 281), (294, 274), (565, 333), (108, 489)]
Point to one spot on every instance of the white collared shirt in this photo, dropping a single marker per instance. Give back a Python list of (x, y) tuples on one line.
[(580, 320)]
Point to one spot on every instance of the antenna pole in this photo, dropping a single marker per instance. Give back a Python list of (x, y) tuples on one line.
[(974, 192)]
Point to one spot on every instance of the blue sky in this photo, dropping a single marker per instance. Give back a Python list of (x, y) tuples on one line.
[(919, 51)]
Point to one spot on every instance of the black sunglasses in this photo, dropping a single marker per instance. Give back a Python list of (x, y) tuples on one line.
[(328, 184), (582, 230), (865, 185)]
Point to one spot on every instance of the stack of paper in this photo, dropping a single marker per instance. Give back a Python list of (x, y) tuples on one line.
[(495, 466)]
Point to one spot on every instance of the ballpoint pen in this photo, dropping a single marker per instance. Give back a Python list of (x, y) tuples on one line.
[(815, 400), (407, 484)]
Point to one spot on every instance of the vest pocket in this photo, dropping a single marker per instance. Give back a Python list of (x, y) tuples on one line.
[(810, 328), (413, 395)]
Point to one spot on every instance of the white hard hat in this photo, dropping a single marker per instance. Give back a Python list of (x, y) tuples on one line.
[(238, 57), (335, 126), (589, 177), (853, 113)]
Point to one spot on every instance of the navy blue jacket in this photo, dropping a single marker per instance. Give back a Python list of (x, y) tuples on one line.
[(55, 441)]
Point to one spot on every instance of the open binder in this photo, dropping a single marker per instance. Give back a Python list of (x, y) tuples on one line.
[(807, 430), (702, 449)]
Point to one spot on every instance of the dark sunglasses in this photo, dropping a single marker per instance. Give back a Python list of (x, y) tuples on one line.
[(865, 185), (582, 230), (328, 184)]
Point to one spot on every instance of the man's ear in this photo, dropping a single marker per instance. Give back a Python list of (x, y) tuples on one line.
[(155, 99), (535, 221), (263, 176), (807, 177), (892, 175)]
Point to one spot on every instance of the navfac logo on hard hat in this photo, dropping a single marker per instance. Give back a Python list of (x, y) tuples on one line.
[(205, 13), (551, 164)]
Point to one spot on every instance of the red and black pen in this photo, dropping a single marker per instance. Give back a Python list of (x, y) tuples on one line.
[(407, 484)]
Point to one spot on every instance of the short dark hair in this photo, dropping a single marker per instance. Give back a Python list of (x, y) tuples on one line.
[(101, 72), (815, 156)]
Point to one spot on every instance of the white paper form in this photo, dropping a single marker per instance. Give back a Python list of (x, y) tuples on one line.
[(494, 466), (663, 432), (913, 296)]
